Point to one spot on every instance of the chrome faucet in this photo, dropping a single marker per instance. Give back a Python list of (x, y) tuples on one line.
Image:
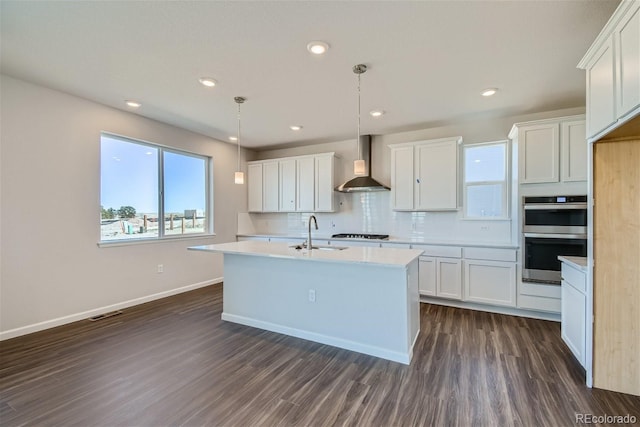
[(312, 217)]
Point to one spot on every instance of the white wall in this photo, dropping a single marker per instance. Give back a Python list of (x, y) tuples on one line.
[(371, 213), (52, 270)]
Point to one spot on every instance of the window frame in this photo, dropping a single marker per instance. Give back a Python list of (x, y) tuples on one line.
[(162, 237), (504, 182)]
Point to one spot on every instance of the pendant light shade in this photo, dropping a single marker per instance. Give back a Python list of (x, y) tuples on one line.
[(239, 175), (359, 166)]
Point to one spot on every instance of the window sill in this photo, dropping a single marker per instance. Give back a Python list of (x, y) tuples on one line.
[(132, 242)]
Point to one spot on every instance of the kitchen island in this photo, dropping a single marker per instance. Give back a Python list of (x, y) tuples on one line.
[(357, 298)]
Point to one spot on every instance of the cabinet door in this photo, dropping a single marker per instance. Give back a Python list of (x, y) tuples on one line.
[(539, 152), (402, 178), (287, 170), (270, 186), (254, 187), (436, 186), (490, 282), (574, 151), (427, 276), (324, 170), (628, 69), (305, 188), (449, 278), (600, 90), (573, 317)]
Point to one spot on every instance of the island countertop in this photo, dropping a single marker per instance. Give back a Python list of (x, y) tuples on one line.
[(391, 257)]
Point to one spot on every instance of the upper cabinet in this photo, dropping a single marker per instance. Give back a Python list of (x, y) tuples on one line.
[(292, 184), (551, 151), (424, 175), (612, 64)]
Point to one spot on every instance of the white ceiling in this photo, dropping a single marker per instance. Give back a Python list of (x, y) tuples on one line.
[(428, 61)]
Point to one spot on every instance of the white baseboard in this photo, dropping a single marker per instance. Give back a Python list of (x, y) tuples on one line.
[(24, 330), (493, 309), (383, 353)]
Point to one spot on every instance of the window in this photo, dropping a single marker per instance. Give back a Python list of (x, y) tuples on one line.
[(485, 180), (148, 191)]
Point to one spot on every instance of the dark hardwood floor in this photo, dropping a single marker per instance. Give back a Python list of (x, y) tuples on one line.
[(174, 362)]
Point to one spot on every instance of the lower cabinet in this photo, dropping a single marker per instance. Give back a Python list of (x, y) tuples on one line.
[(490, 282), (440, 277), (574, 311)]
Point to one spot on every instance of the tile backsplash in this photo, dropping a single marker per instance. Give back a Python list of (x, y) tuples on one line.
[(372, 213)]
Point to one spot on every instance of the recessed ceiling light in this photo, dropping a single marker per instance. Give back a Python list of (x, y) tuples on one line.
[(207, 81), (233, 138), (317, 47), (489, 92), (376, 113), (133, 104), (295, 127)]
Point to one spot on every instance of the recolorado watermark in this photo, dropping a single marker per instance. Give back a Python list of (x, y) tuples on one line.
[(605, 419)]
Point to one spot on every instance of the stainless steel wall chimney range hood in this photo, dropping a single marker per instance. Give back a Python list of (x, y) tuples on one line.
[(363, 183)]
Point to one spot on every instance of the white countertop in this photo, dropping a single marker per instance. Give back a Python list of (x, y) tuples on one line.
[(391, 257), (578, 262), (405, 240)]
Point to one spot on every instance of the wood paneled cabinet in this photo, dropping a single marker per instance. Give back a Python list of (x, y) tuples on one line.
[(551, 151), (440, 277), (292, 184), (424, 175), (613, 73)]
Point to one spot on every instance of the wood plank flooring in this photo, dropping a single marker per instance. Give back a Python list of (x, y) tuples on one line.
[(174, 362)]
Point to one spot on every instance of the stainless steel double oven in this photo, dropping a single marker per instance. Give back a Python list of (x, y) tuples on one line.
[(552, 226)]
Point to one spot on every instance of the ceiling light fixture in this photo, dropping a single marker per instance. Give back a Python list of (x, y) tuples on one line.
[(233, 138), (295, 127), (376, 113), (317, 47), (239, 175), (207, 81), (359, 167), (489, 92), (133, 104)]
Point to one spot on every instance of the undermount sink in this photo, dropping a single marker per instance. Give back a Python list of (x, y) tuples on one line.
[(321, 247)]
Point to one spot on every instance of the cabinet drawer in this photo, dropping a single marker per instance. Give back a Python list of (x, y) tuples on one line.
[(540, 290), (529, 302), (440, 251), (574, 277), (491, 254)]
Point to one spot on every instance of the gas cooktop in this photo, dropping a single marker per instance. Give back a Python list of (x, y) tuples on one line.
[(360, 236)]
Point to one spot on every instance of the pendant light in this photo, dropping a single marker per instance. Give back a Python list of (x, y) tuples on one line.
[(359, 167), (239, 175)]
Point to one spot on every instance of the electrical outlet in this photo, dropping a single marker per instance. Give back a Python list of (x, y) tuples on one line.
[(312, 295), (160, 268)]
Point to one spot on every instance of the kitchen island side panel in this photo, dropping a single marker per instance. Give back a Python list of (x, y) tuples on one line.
[(361, 307)]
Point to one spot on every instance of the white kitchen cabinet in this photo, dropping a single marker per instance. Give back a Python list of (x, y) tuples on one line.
[(440, 271), (305, 188), (574, 150), (424, 175), (427, 276), (613, 73), (490, 276), (254, 187), (324, 183), (551, 151), (490, 282), (287, 179), (270, 186), (574, 311), (292, 184), (539, 151)]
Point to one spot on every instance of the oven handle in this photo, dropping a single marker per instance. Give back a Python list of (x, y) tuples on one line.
[(556, 236), (563, 206)]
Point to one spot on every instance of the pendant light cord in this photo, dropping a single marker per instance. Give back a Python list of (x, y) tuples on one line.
[(358, 140), (238, 137)]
